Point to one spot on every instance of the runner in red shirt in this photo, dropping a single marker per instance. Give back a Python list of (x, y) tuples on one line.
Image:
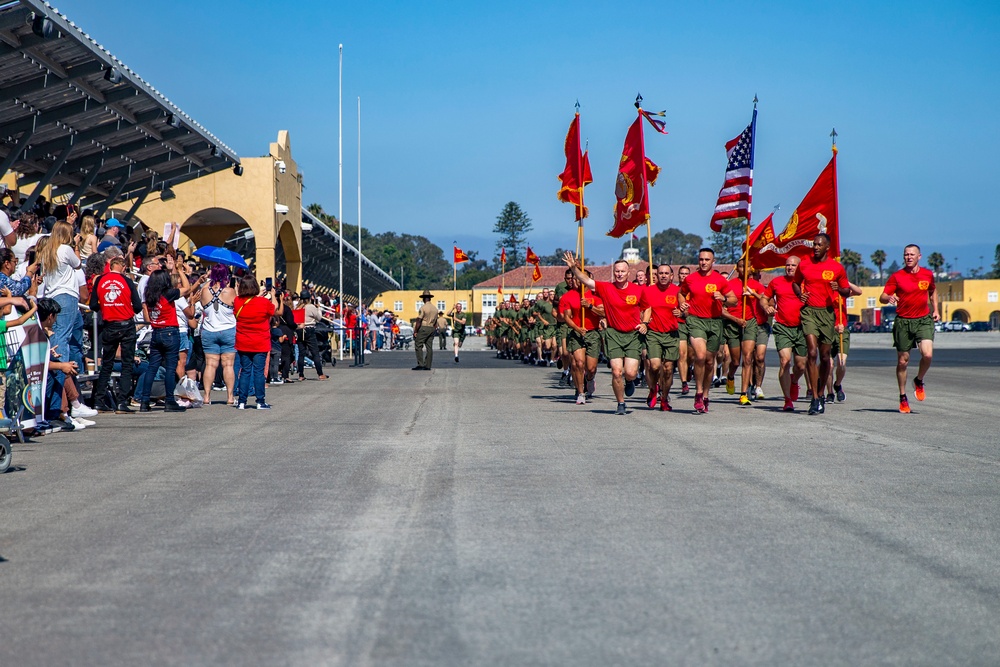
[(583, 341), (740, 331), (621, 309), (661, 304), (818, 284), (705, 293), (841, 348), (760, 350), (779, 299), (686, 362), (912, 291)]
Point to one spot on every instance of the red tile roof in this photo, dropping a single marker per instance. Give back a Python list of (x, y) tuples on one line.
[(553, 275)]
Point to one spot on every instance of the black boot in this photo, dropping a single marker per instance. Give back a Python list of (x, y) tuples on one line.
[(144, 407)]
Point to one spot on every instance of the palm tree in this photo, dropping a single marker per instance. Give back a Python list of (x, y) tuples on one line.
[(878, 259), (851, 260), (935, 261)]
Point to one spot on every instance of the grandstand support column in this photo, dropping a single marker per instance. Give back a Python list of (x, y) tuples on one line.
[(265, 262)]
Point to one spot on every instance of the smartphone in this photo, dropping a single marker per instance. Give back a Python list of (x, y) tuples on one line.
[(268, 285), (30, 256)]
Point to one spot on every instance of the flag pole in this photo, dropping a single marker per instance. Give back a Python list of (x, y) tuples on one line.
[(340, 207), (840, 297), (645, 188), (746, 262), (579, 227)]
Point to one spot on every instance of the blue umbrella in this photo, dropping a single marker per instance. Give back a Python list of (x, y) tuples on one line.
[(221, 255)]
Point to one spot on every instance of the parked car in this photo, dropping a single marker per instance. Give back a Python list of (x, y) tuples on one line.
[(979, 326), (956, 325)]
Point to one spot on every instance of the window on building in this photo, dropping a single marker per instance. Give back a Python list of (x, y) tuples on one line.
[(464, 304), (872, 301), (417, 305), (850, 302), (992, 297), (397, 306), (441, 306), (378, 305), (489, 301)]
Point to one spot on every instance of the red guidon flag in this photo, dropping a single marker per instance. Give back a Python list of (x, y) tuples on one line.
[(503, 255), (817, 214), (576, 175), (460, 256), (636, 173), (761, 236), (531, 258), (536, 275)]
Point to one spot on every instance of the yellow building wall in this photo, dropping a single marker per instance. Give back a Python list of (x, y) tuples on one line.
[(411, 301), (965, 300)]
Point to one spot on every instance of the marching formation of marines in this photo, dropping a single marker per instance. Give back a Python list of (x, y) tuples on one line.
[(705, 326)]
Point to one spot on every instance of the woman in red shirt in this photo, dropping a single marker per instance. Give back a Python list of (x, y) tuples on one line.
[(253, 309), (164, 347)]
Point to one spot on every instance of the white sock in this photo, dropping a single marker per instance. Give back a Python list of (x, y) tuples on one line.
[(76, 403)]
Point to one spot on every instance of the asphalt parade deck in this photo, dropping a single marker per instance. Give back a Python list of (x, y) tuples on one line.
[(475, 515)]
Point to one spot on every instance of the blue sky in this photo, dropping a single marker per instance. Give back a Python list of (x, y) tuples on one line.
[(465, 106)]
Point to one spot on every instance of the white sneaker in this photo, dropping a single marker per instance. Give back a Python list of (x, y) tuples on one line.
[(82, 411), (581, 399), (760, 393), (241, 406), (81, 420), (77, 424)]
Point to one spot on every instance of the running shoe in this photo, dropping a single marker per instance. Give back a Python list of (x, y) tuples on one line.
[(841, 396), (82, 411), (918, 389), (705, 402), (78, 425), (665, 405), (241, 406), (685, 389), (456, 358), (621, 409), (276, 381), (651, 399), (591, 385), (699, 404), (629, 387), (904, 404), (263, 406), (730, 386), (759, 394), (794, 392), (716, 382), (581, 399), (789, 406), (832, 397), (822, 405), (814, 407), (744, 400)]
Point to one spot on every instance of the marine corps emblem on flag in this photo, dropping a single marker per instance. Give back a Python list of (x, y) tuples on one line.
[(923, 284), (711, 287), (631, 300), (828, 275)]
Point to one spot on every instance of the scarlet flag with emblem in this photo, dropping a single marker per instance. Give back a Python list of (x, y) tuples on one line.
[(817, 214), (531, 258), (503, 255), (536, 275), (762, 235), (576, 175), (635, 174), (460, 256)]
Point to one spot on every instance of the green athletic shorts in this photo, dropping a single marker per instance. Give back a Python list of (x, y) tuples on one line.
[(547, 331), (621, 344), (763, 333), (847, 342), (819, 322), (734, 335), (458, 334), (562, 332), (591, 343), (663, 346), (708, 329), (907, 332), (790, 338)]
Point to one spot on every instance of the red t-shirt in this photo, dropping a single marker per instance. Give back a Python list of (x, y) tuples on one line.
[(753, 308), (787, 306), (569, 306), (165, 314), (663, 302), (913, 290), (815, 278), (621, 306), (700, 292), (253, 324)]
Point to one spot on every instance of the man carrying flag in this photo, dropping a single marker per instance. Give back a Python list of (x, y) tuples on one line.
[(621, 308), (817, 283), (583, 340)]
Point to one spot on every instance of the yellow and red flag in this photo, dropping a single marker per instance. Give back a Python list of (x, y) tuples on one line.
[(536, 275), (635, 174), (460, 256), (531, 258), (577, 174), (503, 255), (817, 214)]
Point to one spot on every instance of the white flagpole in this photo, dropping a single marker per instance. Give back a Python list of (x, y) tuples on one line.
[(360, 303), (340, 208)]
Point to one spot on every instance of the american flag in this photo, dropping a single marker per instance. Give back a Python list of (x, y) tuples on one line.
[(737, 190)]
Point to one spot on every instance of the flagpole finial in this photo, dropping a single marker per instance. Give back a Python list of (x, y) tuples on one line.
[(833, 136), (578, 106), (638, 100), (777, 207), (755, 100)]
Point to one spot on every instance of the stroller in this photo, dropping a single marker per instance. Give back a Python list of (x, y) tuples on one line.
[(404, 338)]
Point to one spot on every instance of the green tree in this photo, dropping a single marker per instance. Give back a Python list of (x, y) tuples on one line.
[(893, 267), (935, 260), (556, 258), (513, 226), (878, 259), (673, 246), (996, 263), (851, 261), (728, 244)]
